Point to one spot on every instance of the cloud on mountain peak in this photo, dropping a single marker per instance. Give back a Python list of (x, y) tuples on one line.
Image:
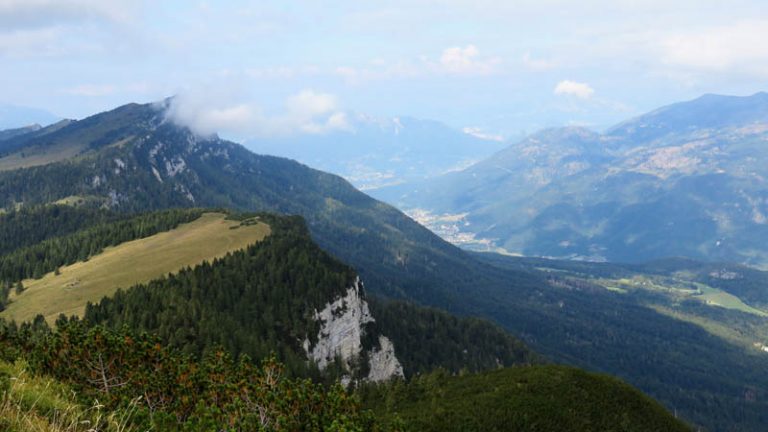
[(208, 111)]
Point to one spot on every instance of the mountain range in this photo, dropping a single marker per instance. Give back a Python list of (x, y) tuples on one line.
[(134, 159), (686, 180)]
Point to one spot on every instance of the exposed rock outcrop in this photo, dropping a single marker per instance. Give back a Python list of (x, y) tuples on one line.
[(383, 363), (343, 325)]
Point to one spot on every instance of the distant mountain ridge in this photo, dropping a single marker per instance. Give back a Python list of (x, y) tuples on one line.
[(11, 133), (707, 112), (684, 180), (376, 152), (14, 116)]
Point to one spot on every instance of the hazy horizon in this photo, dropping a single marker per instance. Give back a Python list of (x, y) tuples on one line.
[(268, 69)]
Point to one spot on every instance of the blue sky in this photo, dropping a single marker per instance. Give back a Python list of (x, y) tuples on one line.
[(284, 67)]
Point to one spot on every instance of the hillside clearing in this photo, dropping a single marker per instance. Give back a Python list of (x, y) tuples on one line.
[(138, 261), (37, 156), (716, 297)]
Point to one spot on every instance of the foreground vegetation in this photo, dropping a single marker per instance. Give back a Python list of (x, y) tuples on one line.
[(535, 398), (32, 403), (166, 390), (78, 375)]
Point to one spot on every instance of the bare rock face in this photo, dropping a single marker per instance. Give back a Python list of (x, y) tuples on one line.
[(383, 363), (341, 334)]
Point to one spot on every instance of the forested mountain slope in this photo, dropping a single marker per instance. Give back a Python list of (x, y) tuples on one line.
[(150, 163), (284, 296)]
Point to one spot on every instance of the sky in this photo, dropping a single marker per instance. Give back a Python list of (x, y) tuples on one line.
[(268, 68)]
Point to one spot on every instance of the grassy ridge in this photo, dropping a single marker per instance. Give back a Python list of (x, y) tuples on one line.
[(130, 263)]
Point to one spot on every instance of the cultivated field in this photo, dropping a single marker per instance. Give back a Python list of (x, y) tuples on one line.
[(133, 262)]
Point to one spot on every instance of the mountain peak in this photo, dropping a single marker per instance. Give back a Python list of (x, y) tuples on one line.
[(709, 111)]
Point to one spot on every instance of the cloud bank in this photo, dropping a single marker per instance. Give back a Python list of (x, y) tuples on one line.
[(207, 113)]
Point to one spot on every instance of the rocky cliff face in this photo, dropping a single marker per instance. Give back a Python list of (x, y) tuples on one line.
[(383, 363), (343, 326)]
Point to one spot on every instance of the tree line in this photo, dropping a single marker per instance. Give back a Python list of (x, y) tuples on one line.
[(35, 260)]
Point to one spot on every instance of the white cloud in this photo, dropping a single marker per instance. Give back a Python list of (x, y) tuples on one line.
[(309, 104), (223, 111), (480, 133), (207, 112), (465, 60), (338, 120), (313, 112), (573, 88), (740, 45)]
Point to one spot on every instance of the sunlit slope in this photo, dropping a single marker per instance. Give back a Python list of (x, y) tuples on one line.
[(133, 262)]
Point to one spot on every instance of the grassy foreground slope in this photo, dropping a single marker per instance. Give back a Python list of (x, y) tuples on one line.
[(138, 261), (32, 403), (535, 398)]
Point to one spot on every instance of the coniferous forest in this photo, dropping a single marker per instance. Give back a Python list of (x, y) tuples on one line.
[(220, 345)]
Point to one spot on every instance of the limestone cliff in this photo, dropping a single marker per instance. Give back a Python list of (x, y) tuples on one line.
[(343, 325), (383, 363)]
